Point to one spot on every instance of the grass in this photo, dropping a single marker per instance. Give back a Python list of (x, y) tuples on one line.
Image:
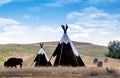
[(85, 50), (28, 51), (58, 72), (92, 51), (2, 59), (18, 49)]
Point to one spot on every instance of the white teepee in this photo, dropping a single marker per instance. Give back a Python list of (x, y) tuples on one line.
[(65, 52)]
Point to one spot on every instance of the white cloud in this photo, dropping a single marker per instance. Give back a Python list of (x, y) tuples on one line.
[(14, 32), (93, 17), (101, 1), (8, 21), (78, 28), (88, 25), (25, 34), (35, 8), (60, 3), (96, 25), (104, 33), (80, 35), (116, 38), (4, 1), (27, 16)]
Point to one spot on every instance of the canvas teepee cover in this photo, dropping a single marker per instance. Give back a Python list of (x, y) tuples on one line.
[(41, 59), (65, 52)]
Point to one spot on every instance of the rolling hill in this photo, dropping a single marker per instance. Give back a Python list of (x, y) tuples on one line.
[(28, 51)]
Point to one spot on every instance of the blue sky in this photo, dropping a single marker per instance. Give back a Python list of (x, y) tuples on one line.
[(30, 21)]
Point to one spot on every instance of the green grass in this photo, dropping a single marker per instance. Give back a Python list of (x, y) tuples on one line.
[(84, 50), (2, 59), (92, 51), (18, 49)]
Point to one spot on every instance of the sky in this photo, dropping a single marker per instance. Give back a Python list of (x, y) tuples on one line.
[(31, 21)]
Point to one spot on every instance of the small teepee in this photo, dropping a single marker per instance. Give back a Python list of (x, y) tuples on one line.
[(65, 52), (41, 59)]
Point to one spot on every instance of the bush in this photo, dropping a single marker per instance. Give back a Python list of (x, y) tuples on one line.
[(114, 49)]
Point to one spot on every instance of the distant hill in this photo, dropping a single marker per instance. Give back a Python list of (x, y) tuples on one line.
[(87, 49), (54, 43), (74, 42), (29, 51)]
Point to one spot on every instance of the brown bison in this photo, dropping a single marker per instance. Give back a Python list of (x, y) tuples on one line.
[(13, 62)]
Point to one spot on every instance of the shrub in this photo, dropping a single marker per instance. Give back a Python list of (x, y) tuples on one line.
[(114, 49)]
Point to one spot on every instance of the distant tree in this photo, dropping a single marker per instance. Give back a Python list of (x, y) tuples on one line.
[(114, 49)]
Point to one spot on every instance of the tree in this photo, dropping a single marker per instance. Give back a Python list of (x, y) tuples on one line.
[(114, 49)]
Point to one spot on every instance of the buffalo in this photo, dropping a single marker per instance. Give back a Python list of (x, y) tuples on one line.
[(13, 62)]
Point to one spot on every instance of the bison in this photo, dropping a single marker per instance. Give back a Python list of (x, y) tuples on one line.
[(100, 64), (95, 60), (13, 62)]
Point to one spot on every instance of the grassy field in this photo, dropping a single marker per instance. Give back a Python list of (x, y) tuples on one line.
[(60, 72), (87, 52), (29, 51)]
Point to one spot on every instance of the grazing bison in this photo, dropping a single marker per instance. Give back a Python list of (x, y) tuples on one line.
[(100, 64), (95, 60), (13, 62)]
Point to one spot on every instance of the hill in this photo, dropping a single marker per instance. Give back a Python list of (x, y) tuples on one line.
[(28, 51), (74, 42), (83, 48)]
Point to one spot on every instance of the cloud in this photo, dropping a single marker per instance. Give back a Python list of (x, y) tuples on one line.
[(7, 22), (5, 1), (80, 35), (95, 25), (101, 1), (116, 38), (35, 8), (14, 32), (88, 25), (104, 33), (74, 28), (2, 2), (27, 16), (93, 17), (60, 3)]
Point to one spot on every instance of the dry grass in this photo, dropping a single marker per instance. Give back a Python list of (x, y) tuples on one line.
[(90, 71), (110, 69), (60, 72)]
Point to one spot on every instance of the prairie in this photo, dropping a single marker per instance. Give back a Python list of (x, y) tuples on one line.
[(87, 52)]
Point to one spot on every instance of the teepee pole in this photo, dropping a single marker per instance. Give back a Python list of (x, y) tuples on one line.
[(76, 60), (49, 61), (60, 55)]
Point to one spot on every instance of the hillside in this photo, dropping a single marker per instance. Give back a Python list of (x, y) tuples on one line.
[(82, 47), (28, 51)]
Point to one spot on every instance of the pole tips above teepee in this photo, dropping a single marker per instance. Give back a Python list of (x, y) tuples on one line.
[(64, 28), (41, 45)]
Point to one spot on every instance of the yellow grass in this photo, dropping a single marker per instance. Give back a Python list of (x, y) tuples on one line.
[(60, 72), (90, 71), (109, 70)]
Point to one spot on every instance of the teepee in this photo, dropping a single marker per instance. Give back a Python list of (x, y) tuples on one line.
[(65, 52), (41, 59)]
